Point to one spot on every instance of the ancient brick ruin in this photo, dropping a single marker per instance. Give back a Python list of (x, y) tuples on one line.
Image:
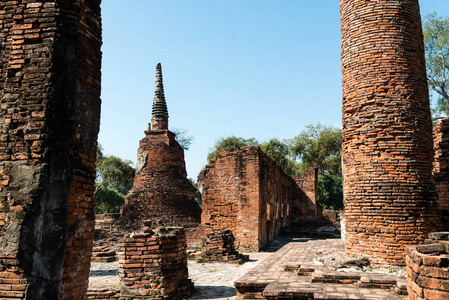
[(390, 200), (154, 265), (441, 168), (161, 191), (247, 192), (306, 206), (49, 117), (427, 268), (219, 247)]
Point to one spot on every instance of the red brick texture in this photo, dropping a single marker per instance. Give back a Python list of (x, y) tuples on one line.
[(49, 119), (153, 265), (390, 199), (441, 168), (247, 192), (305, 207), (219, 247), (428, 270), (161, 191)]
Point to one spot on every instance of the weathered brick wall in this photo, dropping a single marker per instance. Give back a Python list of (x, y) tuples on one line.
[(161, 191), (441, 167), (275, 197), (305, 205), (246, 192), (390, 200), (229, 184), (153, 265), (49, 118), (427, 269)]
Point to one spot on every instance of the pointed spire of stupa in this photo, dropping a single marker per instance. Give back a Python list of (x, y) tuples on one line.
[(159, 118)]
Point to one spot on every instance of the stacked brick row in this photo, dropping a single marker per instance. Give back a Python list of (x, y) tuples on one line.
[(153, 265), (441, 167), (219, 247), (427, 269), (49, 120), (390, 199)]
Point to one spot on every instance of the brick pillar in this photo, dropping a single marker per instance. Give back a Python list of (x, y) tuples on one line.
[(153, 265), (390, 201), (49, 119)]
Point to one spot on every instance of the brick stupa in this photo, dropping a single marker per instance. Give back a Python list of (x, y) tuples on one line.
[(161, 191)]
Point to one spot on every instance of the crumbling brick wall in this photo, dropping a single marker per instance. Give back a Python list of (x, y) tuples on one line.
[(390, 199), (49, 118), (246, 192), (153, 265), (305, 205), (441, 168)]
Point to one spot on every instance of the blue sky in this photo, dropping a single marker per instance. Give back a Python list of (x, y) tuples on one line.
[(253, 68)]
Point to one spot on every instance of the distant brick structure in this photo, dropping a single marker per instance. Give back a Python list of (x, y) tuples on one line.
[(153, 265), (247, 192), (306, 206), (441, 168), (161, 191), (390, 200), (427, 268), (219, 247)]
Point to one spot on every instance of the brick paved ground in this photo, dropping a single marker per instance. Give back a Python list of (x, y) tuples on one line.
[(271, 280), (265, 274)]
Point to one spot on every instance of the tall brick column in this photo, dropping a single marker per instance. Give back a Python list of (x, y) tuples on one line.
[(390, 201), (49, 119)]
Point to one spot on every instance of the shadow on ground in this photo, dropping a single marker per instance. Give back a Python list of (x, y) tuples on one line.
[(283, 240), (213, 292)]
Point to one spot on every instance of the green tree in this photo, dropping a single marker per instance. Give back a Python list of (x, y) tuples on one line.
[(320, 145), (436, 41), (182, 138), (114, 179), (280, 152), (330, 192), (197, 192), (230, 143)]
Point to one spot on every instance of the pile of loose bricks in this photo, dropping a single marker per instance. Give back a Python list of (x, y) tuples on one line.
[(219, 247), (428, 268), (390, 199)]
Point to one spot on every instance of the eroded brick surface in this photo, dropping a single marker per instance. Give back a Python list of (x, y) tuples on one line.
[(154, 265), (247, 192), (428, 270), (390, 200), (161, 191), (49, 118)]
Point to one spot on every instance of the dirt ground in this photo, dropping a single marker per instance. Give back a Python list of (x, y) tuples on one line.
[(212, 280)]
